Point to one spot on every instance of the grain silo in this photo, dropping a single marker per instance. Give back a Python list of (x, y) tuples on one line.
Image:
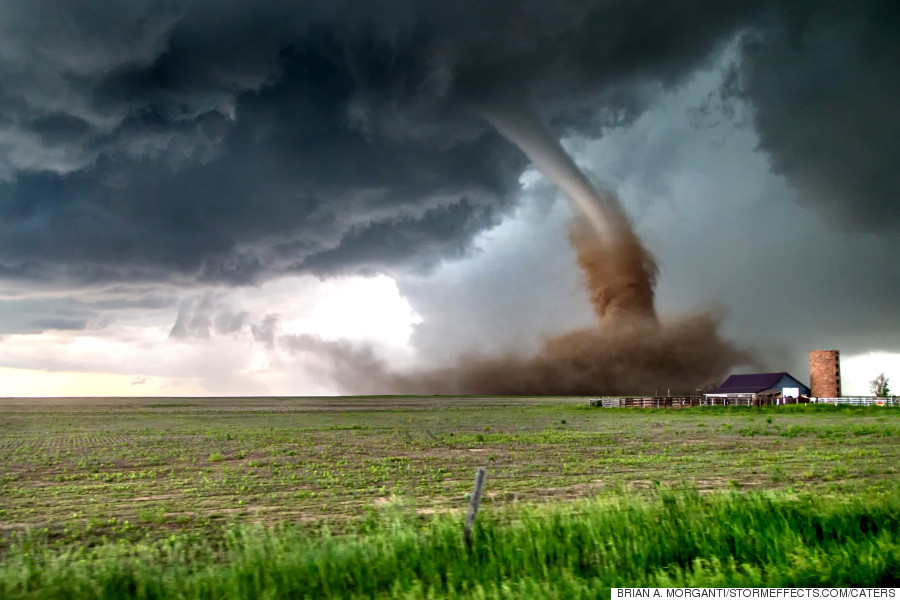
[(825, 373)]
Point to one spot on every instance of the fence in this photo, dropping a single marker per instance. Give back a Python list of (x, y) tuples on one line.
[(858, 401), (689, 401), (652, 402)]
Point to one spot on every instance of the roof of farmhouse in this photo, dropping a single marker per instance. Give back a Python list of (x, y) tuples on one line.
[(752, 383)]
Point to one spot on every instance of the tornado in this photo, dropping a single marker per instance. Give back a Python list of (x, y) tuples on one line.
[(628, 351), (620, 272)]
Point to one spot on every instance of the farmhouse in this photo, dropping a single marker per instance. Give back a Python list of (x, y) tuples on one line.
[(757, 388)]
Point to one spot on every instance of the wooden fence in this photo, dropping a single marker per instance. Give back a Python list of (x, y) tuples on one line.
[(652, 402)]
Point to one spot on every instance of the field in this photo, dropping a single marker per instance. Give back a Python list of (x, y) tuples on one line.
[(96, 473)]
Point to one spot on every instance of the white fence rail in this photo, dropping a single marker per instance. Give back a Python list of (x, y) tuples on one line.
[(858, 401), (605, 402)]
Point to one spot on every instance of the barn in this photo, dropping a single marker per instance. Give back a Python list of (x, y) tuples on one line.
[(757, 388)]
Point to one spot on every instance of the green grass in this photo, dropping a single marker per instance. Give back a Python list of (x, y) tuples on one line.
[(564, 550)]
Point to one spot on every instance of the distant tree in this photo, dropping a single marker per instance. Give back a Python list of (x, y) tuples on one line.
[(879, 386)]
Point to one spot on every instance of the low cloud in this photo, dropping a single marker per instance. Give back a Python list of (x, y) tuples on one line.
[(266, 330)]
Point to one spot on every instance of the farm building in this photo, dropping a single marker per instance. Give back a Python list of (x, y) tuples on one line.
[(756, 388)]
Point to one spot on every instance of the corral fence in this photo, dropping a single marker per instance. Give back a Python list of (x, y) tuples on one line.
[(652, 402), (677, 402)]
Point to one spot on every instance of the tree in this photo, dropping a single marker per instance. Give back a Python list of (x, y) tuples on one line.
[(879, 386)]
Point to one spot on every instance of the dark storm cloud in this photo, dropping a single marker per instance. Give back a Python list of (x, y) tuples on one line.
[(228, 142), (824, 82), (439, 232)]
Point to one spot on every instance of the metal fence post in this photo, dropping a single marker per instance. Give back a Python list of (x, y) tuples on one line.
[(480, 476)]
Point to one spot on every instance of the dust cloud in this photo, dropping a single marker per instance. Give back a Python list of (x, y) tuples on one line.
[(620, 276), (629, 351), (638, 357)]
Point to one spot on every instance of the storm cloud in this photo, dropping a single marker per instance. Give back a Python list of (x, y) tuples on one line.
[(823, 82), (231, 142)]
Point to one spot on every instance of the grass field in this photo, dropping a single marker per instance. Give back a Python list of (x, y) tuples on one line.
[(82, 473)]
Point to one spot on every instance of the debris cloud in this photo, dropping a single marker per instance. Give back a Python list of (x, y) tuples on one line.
[(638, 358), (620, 274)]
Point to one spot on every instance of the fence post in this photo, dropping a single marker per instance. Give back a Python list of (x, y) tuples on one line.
[(473, 505)]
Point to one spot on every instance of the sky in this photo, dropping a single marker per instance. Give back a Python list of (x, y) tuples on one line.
[(211, 198)]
